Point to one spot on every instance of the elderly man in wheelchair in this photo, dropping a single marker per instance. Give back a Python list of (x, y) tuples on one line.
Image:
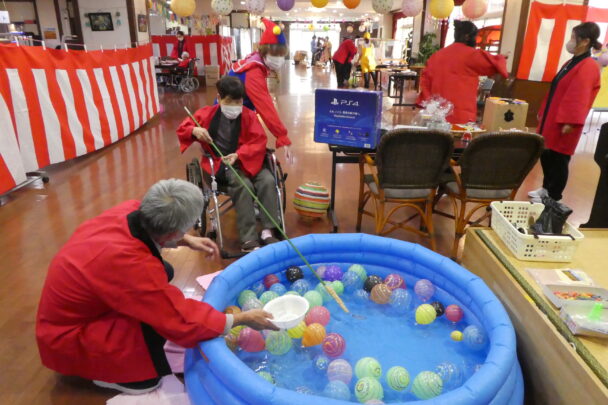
[(238, 134)]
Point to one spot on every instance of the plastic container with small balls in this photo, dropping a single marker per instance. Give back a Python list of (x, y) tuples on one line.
[(287, 311)]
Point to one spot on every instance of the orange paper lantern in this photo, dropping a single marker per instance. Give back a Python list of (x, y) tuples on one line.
[(351, 3), (313, 335)]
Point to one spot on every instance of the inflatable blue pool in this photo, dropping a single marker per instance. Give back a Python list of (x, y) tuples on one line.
[(222, 378)]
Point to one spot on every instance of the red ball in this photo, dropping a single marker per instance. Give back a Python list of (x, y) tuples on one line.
[(333, 345), (251, 340), (394, 281), (269, 280), (318, 314), (454, 313)]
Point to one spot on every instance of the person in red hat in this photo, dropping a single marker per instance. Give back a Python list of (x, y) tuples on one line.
[(253, 71)]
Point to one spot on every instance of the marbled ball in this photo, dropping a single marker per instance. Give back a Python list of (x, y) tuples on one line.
[(266, 376), (337, 390), (231, 341), (258, 288), (246, 295), (323, 291), (351, 281), (268, 296), (451, 375), (320, 364), (321, 270), (380, 294), (368, 388), (397, 378), (301, 286), (361, 295), (454, 313), (425, 314), (251, 340), (278, 288), (400, 301), (297, 331), (333, 345), (232, 309), (278, 342), (360, 270), (439, 309), (474, 337), (302, 389), (368, 367), (252, 303), (427, 385), (294, 273), (332, 272), (371, 281), (270, 279), (338, 287), (292, 293), (318, 314), (424, 289), (313, 335), (314, 298), (340, 370), (394, 281)]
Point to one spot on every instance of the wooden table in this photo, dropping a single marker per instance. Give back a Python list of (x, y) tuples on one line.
[(554, 371)]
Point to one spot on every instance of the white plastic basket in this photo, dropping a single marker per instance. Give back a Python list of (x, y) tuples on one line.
[(509, 215)]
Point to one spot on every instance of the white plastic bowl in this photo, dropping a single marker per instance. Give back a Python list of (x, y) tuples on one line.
[(287, 311)]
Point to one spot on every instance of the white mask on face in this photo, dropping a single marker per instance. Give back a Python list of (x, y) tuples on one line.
[(274, 62), (231, 111), (571, 46)]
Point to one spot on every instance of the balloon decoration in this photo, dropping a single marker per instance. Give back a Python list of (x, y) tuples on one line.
[(222, 7), (411, 8), (286, 5), (326, 28), (183, 8), (474, 8), (441, 9), (311, 27), (255, 6), (362, 28), (319, 3), (351, 3), (349, 29), (382, 6)]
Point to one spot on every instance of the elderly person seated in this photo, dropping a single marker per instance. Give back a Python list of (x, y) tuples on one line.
[(107, 306)]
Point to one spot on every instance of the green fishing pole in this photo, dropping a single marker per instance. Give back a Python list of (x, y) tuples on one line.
[(330, 291)]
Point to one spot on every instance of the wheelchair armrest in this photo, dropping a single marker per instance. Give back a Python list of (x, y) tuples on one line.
[(270, 150)]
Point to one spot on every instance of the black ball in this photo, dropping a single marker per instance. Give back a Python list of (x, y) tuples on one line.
[(370, 282), (294, 273), (439, 309)]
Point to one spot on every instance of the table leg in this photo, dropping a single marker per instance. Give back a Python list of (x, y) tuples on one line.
[(332, 198)]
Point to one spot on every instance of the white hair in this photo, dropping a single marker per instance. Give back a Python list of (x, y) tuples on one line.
[(170, 206), (185, 55)]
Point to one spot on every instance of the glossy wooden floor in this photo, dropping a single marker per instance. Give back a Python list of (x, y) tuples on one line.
[(39, 219)]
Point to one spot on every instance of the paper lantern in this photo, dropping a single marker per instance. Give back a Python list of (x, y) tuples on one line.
[(349, 29), (255, 6), (286, 5), (222, 7), (474, 8), (183, 8), (351, 3), (382, 6), (362, 28), (319, 3), (441, 9), (411, 8)]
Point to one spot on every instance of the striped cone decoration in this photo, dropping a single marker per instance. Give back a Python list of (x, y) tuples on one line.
[(311, 200)]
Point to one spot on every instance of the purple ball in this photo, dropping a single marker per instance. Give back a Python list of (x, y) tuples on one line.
[(424, 289), (332, 273), (286, 5)]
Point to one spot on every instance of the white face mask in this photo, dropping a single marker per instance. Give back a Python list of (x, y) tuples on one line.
[(274, 62), (231, 111), (571, 46)]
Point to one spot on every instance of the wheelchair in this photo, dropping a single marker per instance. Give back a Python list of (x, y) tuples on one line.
[(210, 223), (183, 79)]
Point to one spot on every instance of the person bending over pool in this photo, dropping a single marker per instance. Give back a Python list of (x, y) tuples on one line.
[(107, 306)]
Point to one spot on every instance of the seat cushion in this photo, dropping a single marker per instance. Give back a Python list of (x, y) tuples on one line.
[(479, 193), (396, 193)]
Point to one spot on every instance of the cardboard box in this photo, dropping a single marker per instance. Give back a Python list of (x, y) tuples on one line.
[(211, 69), (348, 117), (504, 114)]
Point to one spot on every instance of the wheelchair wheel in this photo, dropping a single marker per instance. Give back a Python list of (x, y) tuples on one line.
[(188, 84), (281, 177)]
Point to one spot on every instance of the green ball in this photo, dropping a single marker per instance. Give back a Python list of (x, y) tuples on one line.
[(368, 388), (338, 287), (314, 298), (266, 375), (278, 342), (360, 270), (292, 293), (246, 295), (398, 378), (368, 367), (268, 296), (427, 385), (324, 294)]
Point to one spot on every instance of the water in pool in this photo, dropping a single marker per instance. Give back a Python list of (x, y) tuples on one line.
[(391, 334)]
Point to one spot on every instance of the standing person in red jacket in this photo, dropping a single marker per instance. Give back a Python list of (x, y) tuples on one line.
[(343, 61), (453, 73), (238, 134), (565, 109), (107, 305), (182, 45), (253, 72)]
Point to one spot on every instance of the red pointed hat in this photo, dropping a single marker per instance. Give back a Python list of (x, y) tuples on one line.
[(273, 34)]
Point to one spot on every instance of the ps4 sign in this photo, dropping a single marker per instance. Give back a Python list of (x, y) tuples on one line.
[(348, 117)]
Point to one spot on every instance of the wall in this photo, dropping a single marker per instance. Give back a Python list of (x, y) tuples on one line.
[(141, 8), (120, 37), (22, 11), (48, 19), (158, 25), (510, 30)]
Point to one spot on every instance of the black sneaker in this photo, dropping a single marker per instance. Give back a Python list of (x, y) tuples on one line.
[(132, 388), (270, 238), (250, 246)]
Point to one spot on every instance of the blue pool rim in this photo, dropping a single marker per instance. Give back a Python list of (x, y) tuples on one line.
[(225, 380)]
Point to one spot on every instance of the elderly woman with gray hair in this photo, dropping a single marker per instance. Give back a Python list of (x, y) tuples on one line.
[(107, 306)]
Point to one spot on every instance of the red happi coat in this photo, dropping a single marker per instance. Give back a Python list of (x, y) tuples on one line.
[(103, 288), (453, 73), (570, 104), (252, 139), (187, 48)]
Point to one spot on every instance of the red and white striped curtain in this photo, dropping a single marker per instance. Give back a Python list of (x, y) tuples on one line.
[(56, 105), (209, 49), (549, 28)]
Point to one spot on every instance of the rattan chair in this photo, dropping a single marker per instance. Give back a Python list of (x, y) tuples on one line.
[(405, 173), (491, 168)]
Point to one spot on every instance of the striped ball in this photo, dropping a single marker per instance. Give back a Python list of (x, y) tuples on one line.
[(311, 200), (397, 378), (427, 385)]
